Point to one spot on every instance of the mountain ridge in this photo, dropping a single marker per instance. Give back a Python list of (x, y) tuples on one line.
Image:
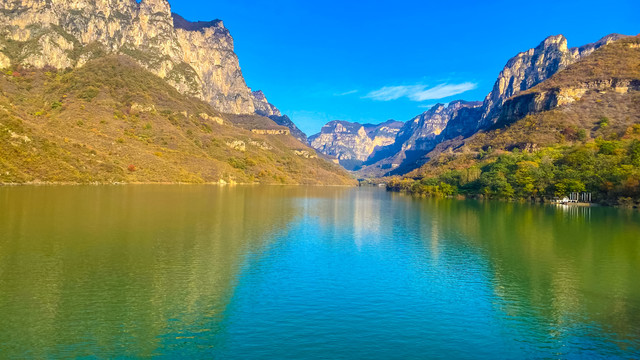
[(578, 131), (45, 41), (352, 143), (521, 72)]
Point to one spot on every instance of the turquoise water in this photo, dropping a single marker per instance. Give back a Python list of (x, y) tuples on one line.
[(311, 273)]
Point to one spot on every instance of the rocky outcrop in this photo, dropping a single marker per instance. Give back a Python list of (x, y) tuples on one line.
[(262, 105), (352, 143), (344, 140), (532, 67), (283, 120), (5, 62), (271, 131), (383, 134), (265, 108), (420, 134), (463, 124), (462, 119), (196, 58), (533, 102)]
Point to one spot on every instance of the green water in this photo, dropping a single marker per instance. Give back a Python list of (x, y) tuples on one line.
[(297, 272)]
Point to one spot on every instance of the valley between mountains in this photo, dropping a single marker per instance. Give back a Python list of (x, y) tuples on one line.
[(558, 120), (124, 92)]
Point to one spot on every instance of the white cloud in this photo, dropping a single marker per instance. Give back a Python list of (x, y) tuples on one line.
[(388, 93), (420, 92), (346, 93)]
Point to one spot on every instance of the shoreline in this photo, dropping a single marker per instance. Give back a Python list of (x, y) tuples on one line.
[(160, 183), (521, 201)]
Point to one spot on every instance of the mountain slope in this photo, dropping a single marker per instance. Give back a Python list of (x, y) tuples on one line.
[(417, 136), (265, 108), (195, 58), (462, 119), (353, 143), (532, 67), (577, 131), (112, 121)]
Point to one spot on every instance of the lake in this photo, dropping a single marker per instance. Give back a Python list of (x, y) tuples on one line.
[(311, 273)]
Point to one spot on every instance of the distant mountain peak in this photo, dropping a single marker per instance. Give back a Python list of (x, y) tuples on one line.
[(181, 23)]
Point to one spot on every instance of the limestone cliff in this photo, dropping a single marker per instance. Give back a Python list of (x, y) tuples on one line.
[(383, 134), (262, 105), (196, 58), (530, 68), (596, 73), (353, 143), (418, 136), (459, 120), (265, 108), (420, 132)]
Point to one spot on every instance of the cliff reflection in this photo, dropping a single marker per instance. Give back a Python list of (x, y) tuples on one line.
[(563, 266), (85, 271)]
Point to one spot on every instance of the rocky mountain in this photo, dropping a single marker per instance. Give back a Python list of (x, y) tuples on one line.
[(531, 67), (195, 58), (353, 143), (577, 131), (383, 134), (283, 120), (418, 135), (264, 108), (262, 105), (463, 119), (111, 121), (43, 38)]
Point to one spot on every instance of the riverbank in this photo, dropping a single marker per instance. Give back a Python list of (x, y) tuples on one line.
[(415, 189)]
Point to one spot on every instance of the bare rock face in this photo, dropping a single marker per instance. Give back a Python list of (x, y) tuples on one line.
[(262, 105), (419, 135), (534, 102), (5, 62), (265, 108), (344, 140), (353, 143), (503, 104), (383, 134), (532, 67), (196, 58)]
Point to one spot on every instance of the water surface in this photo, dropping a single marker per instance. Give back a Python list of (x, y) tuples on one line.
[(311, 272)]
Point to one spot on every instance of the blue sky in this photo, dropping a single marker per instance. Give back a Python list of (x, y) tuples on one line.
[(370, 61)]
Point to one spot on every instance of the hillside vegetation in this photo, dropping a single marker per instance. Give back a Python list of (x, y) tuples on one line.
[(592, 144), (111, 121)]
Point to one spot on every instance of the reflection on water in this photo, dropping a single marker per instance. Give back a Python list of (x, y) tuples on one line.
[(310, 272)]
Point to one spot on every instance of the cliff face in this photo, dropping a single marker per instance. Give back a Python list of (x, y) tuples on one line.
[(419, 135), (529, 103), (283, 120), (195, 58), (262, 105), (615, 69), (461, 119), (383, 134), (265, 108), (421, 132), (532, 67), (353, 143), (344, 140)]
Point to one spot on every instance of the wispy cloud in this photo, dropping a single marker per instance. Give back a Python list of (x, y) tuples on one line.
[(420, 92), (428, 106), (346, 93)]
